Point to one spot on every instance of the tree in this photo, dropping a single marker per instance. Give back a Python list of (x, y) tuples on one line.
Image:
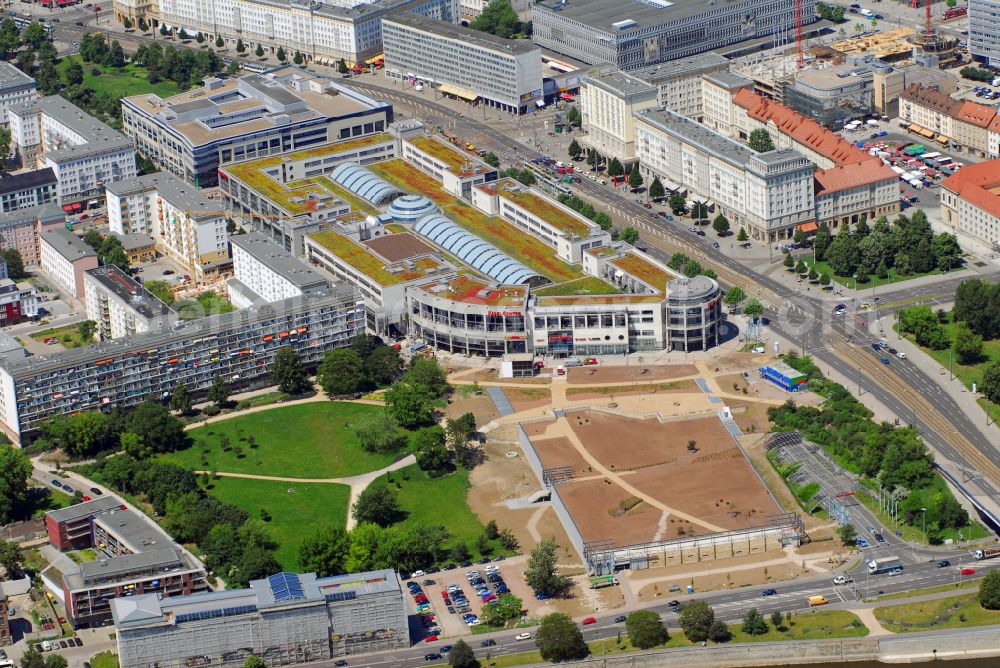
[(560, 639), (253, 661), (574, 150), (947, 252), (325, 552), (282, 56), (695, 620), (504, 609), (259, 51), (603, 221), (287, 372), (541, 573), (592, 159), (719, 632), (74, 74), (721, 225), (460, 551), (383, 365), (925, 326), (182, 35), (56, 661), (163, 29), (742, 236), (800, 267), (615, 168), (32, 659), (847, 533), (629, 235), (341, 372), (824, 279), (15, 471), (86, 329), (990, 383), (843, 254), (409, 405), (10, 559), (241, 47), (379, 433), (342, 67), (753, 308), (645, 629), (499, 18), (789, 261), (574, 117), (378, 504), (218, 391), (699, 210), (754, 623), (428, 446), (968, 346), (427, 374), (813, 274), (143, 26), (635, 179), (161, 431), (219, 42), (676, 202), (492, 159), (989, 591), (734, 296), (760, 141), (462, 656)]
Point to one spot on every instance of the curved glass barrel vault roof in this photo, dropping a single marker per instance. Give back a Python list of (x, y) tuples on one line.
[(363, 183), (474, 251)]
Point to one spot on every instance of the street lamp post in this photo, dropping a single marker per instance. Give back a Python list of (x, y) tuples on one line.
[(923, 515)]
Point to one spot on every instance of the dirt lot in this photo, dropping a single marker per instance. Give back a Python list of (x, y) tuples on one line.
[(523, 399), (594, 506), (750, 416), (725, 576), (624, 374), (560, 452), (491, 375), (479, 405), (607, 392), (621, 443)]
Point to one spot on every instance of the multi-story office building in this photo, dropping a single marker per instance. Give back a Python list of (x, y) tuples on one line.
[(16, 87), (608, 103), (65, 258), (678, 82), (239, 346), (84, 153), (631, 34), (121, 306), (134, 558), (464, 63), (768, 194), (323, 32), (21, 229), (264, 271), (970, 202), (290, 196), (285, 619), (280, 111), (186, 224), (984, 40), (17, 301), (27, 189)]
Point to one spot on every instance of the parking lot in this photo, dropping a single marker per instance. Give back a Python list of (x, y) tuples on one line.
[(452, 594)]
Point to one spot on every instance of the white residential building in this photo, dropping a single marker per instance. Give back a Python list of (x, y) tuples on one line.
[(65, 258), (679, 82), (608, 102), (768, 193), (320, 31), (463, 63), (264, 271), (84, 153), (186, 225), (16, 87), (121, 306)]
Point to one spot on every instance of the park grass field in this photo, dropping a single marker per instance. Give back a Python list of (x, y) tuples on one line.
[(118, 82), (314, 440), (441, 501), (104, 660), (296, 509), (942, 613)]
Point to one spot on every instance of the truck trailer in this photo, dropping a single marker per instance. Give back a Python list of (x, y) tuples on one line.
[(989, 553), (885, 565)]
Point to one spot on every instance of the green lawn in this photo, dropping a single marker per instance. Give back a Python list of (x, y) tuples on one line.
[(967, 373), (588, 285), (848, 281), (68, 336), (970, 581), (942, 613), (295, 509), (306, 441), (118, 82), (440, 501), (104, 660)]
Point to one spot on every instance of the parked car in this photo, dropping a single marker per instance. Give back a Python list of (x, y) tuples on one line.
[(431, 638)]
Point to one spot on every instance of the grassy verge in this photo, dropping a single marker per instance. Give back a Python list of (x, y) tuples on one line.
[(289, 507), (441, 501), (104, 660), (68, 336), (943, 613), (322, 445), (972, 581), (848, 281), (261, 400), (915, 534)]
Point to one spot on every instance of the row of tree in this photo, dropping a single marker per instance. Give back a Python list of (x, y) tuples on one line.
[(895, 457), (182, 66), (908, 245), (689, 267), (587, 210)]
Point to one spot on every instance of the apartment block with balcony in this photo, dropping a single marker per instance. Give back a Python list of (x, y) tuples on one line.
[(263, 271), (121, 306)]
